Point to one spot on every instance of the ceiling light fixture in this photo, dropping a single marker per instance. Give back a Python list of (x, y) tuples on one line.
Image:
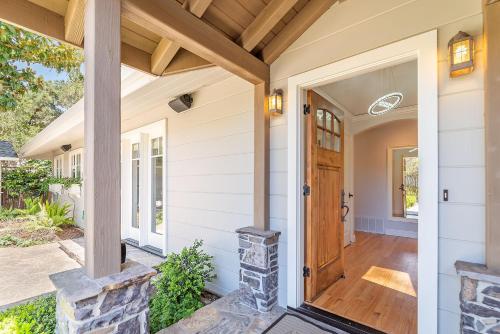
[(385, 103)]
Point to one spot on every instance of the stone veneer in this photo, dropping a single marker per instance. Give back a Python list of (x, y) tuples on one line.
[(117, 303), (258, 268), (479, 298)]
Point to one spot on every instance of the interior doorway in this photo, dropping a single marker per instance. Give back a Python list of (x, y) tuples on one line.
[(374, 279)]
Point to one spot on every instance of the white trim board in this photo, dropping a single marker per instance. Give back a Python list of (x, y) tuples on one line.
[(423, 48)]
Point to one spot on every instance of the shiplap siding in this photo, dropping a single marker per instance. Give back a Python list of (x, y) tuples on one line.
[(355, 26), (210, 176)]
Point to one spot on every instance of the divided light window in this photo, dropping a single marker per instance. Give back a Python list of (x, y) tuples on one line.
[(76, 165), (328, 130), (157, 224), (58, 172), (136, 175)]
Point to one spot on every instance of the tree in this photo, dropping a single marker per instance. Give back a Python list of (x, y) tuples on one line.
[(19, 48), (38, 108)]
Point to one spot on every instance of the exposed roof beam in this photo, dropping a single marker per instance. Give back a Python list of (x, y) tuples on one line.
[(295, 28), (264, 23), (167, 49), (185, 61), (170, 20), (74, 21), (29, 16)]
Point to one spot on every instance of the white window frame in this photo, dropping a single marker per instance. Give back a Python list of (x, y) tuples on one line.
[(58, 169), (72, 154)]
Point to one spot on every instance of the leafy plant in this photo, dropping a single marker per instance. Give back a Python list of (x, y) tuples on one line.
[(8, 214), (54, 215), (179, 286), (10, 240), (36, 317), (30, 179), (66, 182), (31, 206)]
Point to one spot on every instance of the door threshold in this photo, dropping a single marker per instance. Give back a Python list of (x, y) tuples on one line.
[(334, 320), (147, 248)]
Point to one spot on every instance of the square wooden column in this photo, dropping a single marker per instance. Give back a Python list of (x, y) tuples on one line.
[(102, 137), (492, 124), (261, 156)]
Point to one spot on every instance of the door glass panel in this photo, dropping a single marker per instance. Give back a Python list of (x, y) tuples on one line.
[(328, 121), (336, 125), (319, 117), (336, 143), (320, 137), (157, 224), (328, 140), (135, 185)]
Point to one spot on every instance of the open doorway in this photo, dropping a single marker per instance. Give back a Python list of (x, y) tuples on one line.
[(362, 198)]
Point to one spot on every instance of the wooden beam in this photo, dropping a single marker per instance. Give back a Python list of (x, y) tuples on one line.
[(171, 21), (295, 28), (102, 131), (167, 49), (264, 23), (261, 157), (74, 21), (29, 16), (185, 61), (491, 13)]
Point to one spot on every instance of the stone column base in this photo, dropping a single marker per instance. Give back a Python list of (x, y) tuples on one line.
[(114, 304), (479, 298), (258, 268)]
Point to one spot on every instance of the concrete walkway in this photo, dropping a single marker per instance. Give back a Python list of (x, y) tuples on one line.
[(24, 272)]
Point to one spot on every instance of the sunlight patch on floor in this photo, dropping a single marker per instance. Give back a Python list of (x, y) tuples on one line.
[(392, 279)]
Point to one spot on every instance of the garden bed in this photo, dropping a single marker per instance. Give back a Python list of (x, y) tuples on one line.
[(24, 233)]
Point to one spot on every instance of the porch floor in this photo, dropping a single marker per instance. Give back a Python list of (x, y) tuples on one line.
[(225, 315), (380, 288)]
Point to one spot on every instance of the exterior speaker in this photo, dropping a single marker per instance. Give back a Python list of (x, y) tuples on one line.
[(66, 148), (182, 103)]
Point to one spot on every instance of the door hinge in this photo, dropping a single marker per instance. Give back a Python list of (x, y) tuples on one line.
[(307, 109), (306, 190), (306, 271)]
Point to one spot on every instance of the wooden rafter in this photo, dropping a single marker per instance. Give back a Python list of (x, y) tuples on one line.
[(29, 16), (74, 21), (295, 28), (167, 49), (185, 61), (264, 23), (170, 20)]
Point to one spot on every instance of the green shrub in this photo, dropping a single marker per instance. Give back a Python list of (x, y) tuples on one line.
[(36, 317), (53, 215), (31, 206), (11, 240), (179, 286), (8, 214)]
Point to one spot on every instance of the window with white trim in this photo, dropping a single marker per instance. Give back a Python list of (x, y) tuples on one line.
[(76, 165), (58, 166)]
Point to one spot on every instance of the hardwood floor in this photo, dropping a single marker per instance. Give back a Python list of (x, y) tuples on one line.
[(380, 287)]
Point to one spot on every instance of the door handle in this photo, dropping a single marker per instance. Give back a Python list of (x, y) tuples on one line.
[(343, 206), (346, 213)]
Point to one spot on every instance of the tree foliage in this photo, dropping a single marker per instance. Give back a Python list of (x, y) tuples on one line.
[(31, 179), (19, 49)]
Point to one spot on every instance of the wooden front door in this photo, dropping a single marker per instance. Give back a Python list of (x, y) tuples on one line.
[(323, 195)]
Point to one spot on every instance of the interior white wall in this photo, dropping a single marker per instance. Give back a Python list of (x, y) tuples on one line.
[(371, 177), (355, 26)]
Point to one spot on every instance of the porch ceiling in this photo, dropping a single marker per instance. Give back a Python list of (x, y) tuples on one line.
[(262, 29)]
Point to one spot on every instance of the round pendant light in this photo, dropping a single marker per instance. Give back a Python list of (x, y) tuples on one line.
[(385, 103)]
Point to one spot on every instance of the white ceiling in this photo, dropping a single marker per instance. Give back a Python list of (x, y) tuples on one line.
[(358, 93)]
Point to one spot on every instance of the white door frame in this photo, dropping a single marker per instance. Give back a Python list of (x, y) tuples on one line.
[(423, 48)]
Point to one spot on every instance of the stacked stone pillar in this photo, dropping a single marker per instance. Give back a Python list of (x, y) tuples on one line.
[(479, 299), (258, 268), (113, 304)]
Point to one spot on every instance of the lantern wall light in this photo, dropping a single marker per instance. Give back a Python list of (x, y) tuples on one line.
[(461, 53), (276, 101)]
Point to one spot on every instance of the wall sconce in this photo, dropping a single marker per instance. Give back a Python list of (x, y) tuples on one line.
[(461, 53), (276, 101)]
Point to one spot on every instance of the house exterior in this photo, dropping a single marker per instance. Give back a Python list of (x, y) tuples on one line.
[(191, 175)]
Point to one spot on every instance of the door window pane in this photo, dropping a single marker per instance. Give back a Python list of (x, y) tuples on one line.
[(135, 185), (157, 224)]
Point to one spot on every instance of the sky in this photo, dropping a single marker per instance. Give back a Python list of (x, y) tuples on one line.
[(47, 73)]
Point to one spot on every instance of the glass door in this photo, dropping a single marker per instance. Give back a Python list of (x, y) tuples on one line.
[(135, 222), (156, 230)]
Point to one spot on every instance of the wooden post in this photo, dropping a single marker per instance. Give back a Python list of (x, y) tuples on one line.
[(492, 124), (102, 137), (261, 156)]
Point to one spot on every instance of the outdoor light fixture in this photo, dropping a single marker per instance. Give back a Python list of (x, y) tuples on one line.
[(276, 101), (461, 50), (385, 103)]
